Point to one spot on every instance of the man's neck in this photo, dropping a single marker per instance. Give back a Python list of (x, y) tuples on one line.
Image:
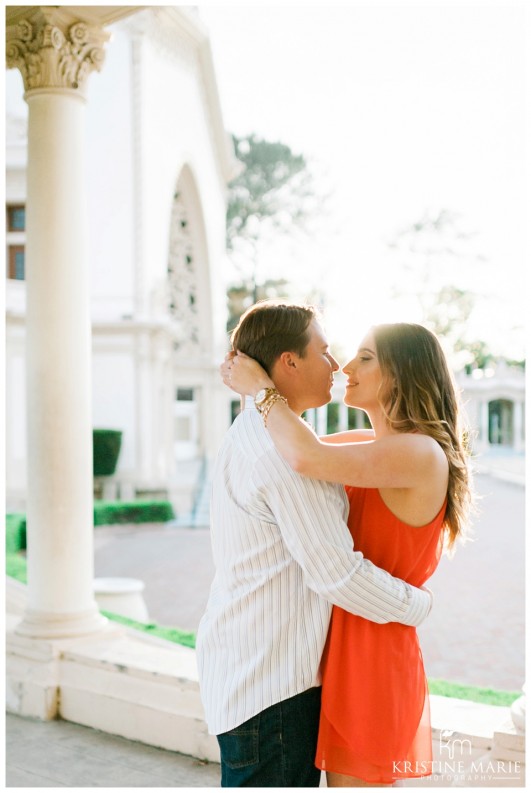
[(294, 403)]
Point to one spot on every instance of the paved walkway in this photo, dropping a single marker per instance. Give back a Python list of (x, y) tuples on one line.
[(61, 754)]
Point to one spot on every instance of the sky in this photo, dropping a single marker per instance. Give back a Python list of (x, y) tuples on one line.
[(402, 110)]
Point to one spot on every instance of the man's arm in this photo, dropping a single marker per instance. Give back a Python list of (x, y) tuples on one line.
[(311, 516)]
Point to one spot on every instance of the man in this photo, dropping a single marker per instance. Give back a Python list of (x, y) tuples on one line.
[(283, 556)]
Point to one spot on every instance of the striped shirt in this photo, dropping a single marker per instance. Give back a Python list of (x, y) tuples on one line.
[(283, 555)]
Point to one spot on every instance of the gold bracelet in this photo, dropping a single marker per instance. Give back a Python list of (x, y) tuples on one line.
[(269, 404)]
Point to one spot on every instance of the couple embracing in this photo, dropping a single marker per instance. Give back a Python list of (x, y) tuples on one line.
[(308, 655)]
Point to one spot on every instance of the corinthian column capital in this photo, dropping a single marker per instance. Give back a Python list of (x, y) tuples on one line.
[(54, 51)]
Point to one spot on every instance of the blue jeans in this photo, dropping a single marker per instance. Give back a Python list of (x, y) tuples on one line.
[(275, 748)]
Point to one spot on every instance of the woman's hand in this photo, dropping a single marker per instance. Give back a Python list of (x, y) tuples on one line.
[(225, 368), (243, 374)]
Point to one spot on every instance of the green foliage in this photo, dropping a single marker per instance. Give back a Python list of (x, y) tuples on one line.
[(15, 532), (105, 513), (272, 196), (106, 450), (242, 295), (332, 418), (480, 353), (354, 422), (486, 696), (515, 364), (109, 512), (273, 185), (186, 638)]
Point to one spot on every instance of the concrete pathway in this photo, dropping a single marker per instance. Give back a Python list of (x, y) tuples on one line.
[(61, 754)]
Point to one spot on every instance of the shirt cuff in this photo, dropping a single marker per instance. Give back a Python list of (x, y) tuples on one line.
[(420, 603)]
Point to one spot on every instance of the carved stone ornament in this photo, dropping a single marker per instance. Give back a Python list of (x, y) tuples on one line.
[(182, 281), (51, 54)]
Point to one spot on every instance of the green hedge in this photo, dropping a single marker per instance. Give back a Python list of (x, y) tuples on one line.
[(106, 450), (108, 512), (105, 513), (15, 532), (16, 567)]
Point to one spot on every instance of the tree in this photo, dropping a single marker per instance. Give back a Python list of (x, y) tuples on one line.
[(241, 297), (273, 191), (272, 195)]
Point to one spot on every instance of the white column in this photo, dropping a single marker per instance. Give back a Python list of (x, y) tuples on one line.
[(518, 418), (55, 56), (483, 441), (343, 417), (321, 415)]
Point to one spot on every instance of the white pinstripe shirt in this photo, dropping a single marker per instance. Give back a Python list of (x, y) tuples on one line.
[(283, 555)]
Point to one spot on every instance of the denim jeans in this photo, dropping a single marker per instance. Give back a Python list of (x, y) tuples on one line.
[(275, 748)]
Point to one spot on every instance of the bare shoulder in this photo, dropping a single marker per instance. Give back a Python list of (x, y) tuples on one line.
[(423, 449), (433, 464)]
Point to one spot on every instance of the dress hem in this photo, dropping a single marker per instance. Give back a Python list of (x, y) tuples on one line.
[(382, 781)]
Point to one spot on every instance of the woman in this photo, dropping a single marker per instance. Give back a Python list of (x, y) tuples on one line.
[(409, 494)]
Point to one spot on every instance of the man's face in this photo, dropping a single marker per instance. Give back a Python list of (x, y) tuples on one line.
[(315, 372)]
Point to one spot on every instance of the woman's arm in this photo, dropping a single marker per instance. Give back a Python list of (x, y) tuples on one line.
[(349, 436), (396, 461), (400, 461)]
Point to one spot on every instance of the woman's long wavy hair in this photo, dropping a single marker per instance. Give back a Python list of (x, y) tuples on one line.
[(418, 394)]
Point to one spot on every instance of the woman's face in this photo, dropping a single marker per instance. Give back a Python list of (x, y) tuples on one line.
[(364, 376)]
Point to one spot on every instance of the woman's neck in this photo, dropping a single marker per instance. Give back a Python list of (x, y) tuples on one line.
[(379, 424)]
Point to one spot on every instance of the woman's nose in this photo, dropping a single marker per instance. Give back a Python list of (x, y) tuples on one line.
[(348, 368)]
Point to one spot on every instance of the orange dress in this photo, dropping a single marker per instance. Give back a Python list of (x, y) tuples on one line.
[(375, 720)]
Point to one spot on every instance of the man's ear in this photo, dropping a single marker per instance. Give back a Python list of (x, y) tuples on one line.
[(288, 362)]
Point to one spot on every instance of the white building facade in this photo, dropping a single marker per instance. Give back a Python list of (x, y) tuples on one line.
[(157, 164)]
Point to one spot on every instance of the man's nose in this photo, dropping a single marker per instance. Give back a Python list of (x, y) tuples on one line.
[(333, 363)]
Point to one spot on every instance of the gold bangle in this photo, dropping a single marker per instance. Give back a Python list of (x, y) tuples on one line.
[(269, 404)]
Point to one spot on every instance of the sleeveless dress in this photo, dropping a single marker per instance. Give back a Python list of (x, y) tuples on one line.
[(375, 720)]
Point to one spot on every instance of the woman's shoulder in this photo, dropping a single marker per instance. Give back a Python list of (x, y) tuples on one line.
[(422, 448), (416, 440)]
